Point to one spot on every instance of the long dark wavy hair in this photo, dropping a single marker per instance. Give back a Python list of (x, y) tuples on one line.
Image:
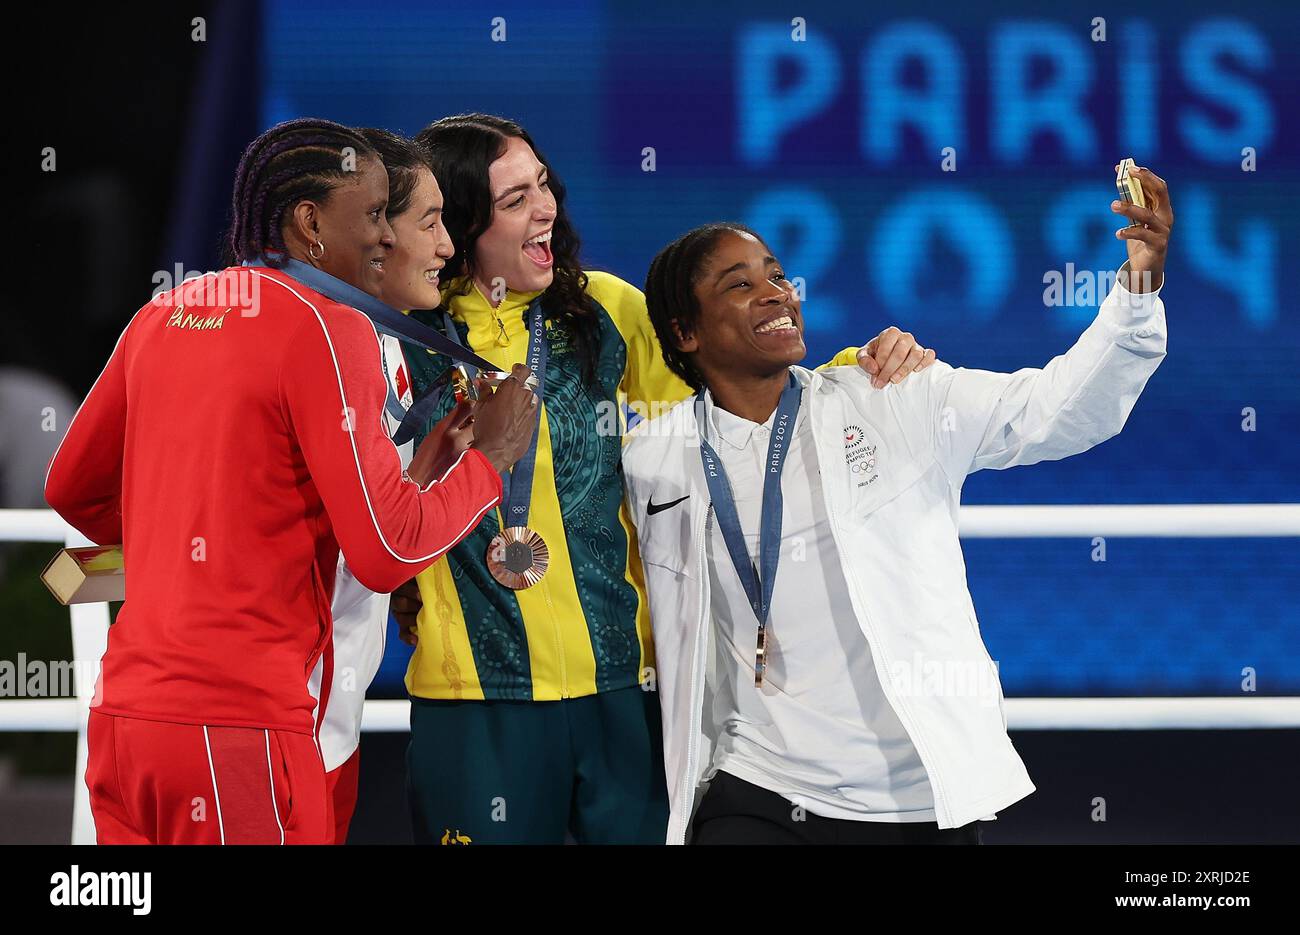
[(461, 148)]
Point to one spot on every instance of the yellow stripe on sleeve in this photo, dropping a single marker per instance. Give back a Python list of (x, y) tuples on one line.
[(845, 358)]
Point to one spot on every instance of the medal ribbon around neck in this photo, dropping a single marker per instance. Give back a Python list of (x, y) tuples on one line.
[(387, 320), (518, 556), (757, 582)]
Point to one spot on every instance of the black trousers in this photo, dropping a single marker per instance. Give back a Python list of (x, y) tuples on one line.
[(738, 812)]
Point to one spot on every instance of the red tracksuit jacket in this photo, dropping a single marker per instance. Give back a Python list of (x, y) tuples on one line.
[(233, 451)]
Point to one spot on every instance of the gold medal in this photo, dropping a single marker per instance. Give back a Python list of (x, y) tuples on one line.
[(517, 557), (464, 387), (461, 385)]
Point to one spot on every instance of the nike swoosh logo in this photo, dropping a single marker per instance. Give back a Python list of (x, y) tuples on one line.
[(654, 508)]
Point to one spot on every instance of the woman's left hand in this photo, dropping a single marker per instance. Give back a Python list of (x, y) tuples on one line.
[(892, 355), (1148, 243)]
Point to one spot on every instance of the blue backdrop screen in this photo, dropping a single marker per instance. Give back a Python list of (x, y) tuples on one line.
[(948, 171)]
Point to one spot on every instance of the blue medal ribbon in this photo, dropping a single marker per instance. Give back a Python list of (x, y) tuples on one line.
[(517, 485), (757, 582), (387, 320)]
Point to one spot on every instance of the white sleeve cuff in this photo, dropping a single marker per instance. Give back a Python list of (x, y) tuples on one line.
[(1126, 310)]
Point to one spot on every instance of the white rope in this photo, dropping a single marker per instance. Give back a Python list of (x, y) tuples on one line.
[(39, 714), (1200, 520), (60, 714), (1152, 713), (32, 526), (1191, 520)]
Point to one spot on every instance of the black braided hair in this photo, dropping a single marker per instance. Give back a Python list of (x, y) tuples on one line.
[(294, 161), (462, 148), (403, 159), (670, 291)]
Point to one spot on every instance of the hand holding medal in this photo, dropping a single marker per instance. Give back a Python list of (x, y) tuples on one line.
[(469, 388), (517, 556), (505, 420)]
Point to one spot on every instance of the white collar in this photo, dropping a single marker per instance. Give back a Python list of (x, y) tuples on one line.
[(735, 430)]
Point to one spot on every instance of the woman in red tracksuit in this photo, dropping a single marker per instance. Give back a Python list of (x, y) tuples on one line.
[(421, 248), (234, 444)]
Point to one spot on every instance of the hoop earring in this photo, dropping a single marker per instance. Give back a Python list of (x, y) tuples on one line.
[(312, 248)]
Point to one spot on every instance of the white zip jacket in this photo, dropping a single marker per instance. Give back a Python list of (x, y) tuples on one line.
[(893, 462)]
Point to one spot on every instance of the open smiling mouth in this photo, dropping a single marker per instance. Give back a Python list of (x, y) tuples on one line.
[(781, 325), (539, 250)]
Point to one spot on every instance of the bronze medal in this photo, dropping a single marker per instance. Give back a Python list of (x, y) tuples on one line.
[(517, 557)]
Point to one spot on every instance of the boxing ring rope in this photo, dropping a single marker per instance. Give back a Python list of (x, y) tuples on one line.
[(391, 717), (1224, 521)]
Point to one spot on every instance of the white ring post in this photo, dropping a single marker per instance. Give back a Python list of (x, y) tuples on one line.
[(89, 640)]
